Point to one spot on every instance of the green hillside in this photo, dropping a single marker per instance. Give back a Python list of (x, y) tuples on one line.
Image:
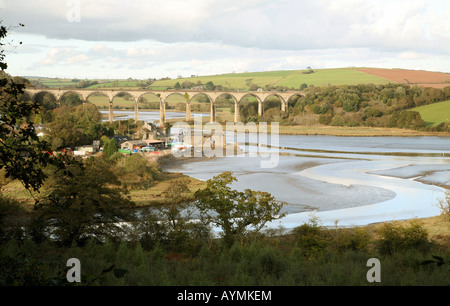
[(436, 113), (289, 78)]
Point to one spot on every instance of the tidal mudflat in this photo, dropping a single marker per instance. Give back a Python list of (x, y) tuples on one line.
[(350, 181)]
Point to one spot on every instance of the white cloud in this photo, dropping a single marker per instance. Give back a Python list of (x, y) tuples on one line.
[(205, 36), (410, 55)]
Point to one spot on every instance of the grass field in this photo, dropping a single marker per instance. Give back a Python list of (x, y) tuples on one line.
[(117, 84), (242, 81), (289, 78), (56, 83), (434, 114)]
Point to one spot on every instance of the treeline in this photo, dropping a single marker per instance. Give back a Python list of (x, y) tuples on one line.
[(370, 105)]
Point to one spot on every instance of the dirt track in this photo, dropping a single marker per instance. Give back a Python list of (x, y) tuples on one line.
[(416, 77)]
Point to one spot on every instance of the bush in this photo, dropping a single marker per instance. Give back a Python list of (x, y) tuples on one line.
[(311, 238), (11, 219), (321, 108), (444, 206), (137, 172), (395, 239)]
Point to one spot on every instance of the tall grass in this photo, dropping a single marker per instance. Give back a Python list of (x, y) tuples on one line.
[(259, 261)]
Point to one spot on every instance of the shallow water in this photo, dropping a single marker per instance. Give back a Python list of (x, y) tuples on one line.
[(349, 180), (148, 116)]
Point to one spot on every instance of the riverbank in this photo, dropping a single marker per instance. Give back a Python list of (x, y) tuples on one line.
[(359, 131), (437, 226), (327, 130), (355, 131)]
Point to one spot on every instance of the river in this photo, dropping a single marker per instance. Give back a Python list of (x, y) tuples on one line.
[(149, 116), (348, 181)]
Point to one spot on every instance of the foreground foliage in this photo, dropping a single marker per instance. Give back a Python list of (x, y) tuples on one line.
[(259, 260)]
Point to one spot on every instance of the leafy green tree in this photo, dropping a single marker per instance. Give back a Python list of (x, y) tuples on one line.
[(74, 125), (110, 148), (90, 203), (62, 132), (21, 151), (210, 86), (236, 213)]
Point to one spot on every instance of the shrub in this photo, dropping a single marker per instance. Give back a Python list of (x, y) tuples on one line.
[(11, 219), (394, 239), (444, 206), (137, 171), (311, 238), (321, 108)]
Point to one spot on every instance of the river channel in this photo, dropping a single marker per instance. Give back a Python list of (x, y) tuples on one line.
[(348, 181)]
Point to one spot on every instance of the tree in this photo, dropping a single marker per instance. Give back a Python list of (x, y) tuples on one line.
[(21, 151), (210, 86), (78, 125), (90, 203), (235, 212), (444, 205), (110, 148)]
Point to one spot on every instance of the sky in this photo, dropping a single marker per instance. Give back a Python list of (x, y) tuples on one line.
[(170, 38)]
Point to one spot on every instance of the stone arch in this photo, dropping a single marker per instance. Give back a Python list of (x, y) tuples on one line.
[(290, 98), (197, 94), (33, 95), (259, 100), (189, 104), (215, 101), (282, 101), (185, 106), (135, 106), (116, 94), (223, 94), (70, 92), (172, 94), (149, 106), (97, 93), (252, 95)]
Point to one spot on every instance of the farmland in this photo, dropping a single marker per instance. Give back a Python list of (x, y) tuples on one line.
[(412, 77), (288, 78), (292, 79), (435, 113)]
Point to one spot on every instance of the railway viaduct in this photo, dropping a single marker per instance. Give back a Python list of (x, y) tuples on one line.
[(164, 94)]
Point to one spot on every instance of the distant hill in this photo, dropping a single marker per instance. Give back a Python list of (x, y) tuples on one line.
[(292, 79), (284, 79)]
